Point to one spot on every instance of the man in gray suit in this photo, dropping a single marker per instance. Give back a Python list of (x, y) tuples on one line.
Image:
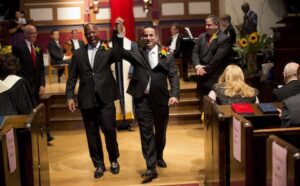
[(210, 55)]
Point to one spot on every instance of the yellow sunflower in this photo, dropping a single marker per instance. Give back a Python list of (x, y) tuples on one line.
[(253, 37), (243, 42)]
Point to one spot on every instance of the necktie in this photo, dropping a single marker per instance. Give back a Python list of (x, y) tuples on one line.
[(32, 54), (93, 57)]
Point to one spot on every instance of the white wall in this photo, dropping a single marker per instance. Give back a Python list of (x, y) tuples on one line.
[(268, 11)]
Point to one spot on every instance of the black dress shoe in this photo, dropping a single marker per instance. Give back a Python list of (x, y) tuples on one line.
[(161, 163), (99, 172), (50, 138), (115, 167), (149, 175)]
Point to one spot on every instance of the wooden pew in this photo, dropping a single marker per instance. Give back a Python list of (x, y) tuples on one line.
[(6, 177), (292, 161), (32, 146), (251, 169), (217, 136), (214, 122), (32, 141)]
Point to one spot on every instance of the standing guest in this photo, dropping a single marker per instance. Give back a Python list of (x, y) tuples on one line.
[(153, 68), (32, 61), (16, 28), (76, 43), (227, 28), (292, 84), (250, 20), (97, 92), (32, 65), (210, 55), (15, 95), (231, 88), (174, 41), (56, 51)]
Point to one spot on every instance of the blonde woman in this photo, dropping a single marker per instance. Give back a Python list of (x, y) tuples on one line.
[(231, 88)]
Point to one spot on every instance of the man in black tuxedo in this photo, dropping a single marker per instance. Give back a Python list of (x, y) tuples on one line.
[(153, 68), (210, 55), (97, 92), (174, 41), (292, 84), (76, 43), (56, 52), (250, 20)]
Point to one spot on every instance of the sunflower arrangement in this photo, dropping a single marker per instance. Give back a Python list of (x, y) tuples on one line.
[(248, 46)]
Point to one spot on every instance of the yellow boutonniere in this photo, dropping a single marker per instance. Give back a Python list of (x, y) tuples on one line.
[(104, 46), (37, 49), (213, 37), (6, 50), (164, 51)]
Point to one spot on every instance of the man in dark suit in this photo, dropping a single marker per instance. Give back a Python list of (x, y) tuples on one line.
[(153, 67), (250, 20), (174, 41), (32, 65), (76, 43), (56, 52), (228, 29), (32, 62), (210, 55), (292, 84), (97, 92)]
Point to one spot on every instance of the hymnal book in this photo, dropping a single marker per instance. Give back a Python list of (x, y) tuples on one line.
[(242, 108), (267, 108)]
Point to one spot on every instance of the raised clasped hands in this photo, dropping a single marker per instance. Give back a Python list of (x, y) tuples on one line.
[(119, 25)]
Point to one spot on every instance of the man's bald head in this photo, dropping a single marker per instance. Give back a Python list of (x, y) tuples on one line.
[(290, 71), (30, 33)]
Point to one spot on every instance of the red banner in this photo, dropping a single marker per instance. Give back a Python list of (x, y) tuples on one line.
[(123, 9)]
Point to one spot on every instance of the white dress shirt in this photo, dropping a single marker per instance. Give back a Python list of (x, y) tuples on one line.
[(76, 43), (153, 61), (92, 52), (173, 43)]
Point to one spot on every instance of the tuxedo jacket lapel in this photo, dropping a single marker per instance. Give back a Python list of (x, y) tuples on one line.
[(86, 56), (145, 60)]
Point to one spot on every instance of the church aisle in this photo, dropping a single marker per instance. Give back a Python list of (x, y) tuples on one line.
[(70, 163)]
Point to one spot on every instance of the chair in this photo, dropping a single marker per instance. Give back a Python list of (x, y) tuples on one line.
[(57, 67)]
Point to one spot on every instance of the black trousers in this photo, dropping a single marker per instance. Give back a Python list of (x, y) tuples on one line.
[(103, 117), (152, 120)]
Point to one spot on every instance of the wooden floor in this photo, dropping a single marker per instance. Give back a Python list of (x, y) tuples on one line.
[(70, 164)]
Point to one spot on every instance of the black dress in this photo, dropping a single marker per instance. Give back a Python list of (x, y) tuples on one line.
[(17, 99)]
